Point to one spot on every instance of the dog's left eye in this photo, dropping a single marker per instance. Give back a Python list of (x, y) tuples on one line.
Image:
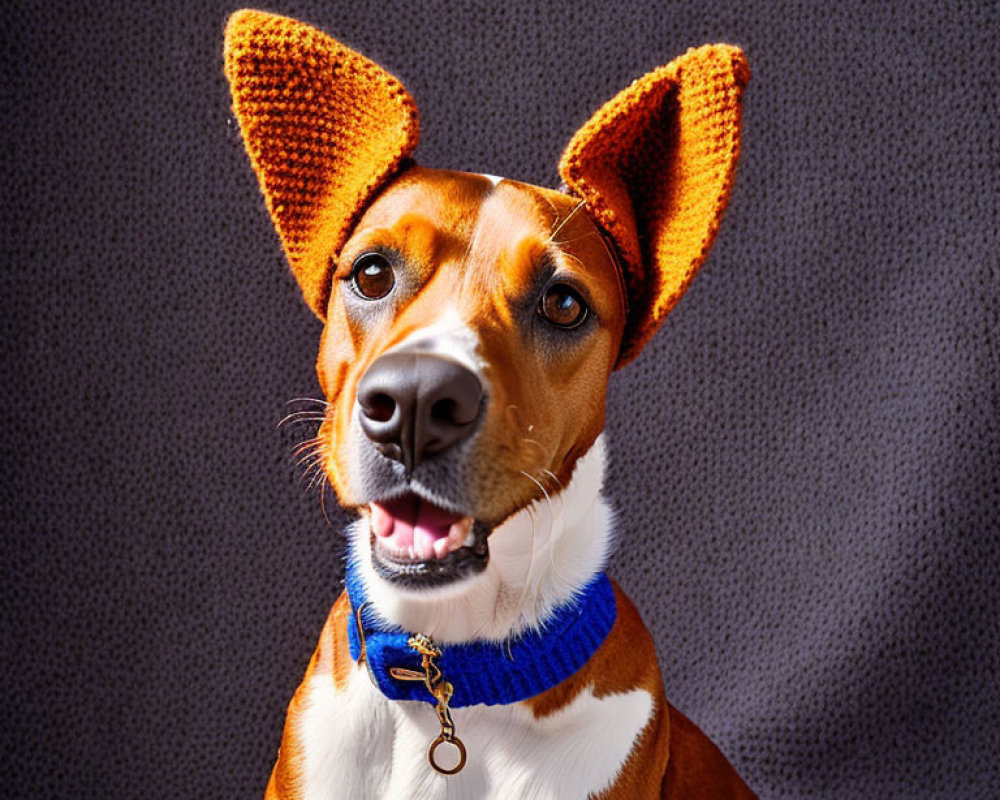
[(561, 305), (372, 276)]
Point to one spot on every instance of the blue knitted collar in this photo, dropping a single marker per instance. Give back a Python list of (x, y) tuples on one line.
[(482, 672)]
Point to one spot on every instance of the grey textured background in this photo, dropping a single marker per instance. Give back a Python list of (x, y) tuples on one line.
[(807, 458)]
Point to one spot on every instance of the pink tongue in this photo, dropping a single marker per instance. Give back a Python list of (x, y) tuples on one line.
[(409, 521)]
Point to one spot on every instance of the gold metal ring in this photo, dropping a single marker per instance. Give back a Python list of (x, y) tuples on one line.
[(461, 754)]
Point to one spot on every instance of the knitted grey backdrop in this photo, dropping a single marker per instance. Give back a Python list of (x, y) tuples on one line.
[(806, 458)]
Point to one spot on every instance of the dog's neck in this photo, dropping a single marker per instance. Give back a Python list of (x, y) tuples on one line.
[(539, 559)]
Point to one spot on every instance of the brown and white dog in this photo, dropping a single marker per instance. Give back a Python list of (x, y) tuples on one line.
[(471, 327)]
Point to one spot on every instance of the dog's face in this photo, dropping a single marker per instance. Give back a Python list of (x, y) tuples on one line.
[(471, 328), (471, 324)]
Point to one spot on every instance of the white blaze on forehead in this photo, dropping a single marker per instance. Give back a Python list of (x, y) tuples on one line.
[(494, 179), (448, 336)]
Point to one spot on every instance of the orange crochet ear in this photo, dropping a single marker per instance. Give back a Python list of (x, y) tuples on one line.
[(655, 166), (325, 128)]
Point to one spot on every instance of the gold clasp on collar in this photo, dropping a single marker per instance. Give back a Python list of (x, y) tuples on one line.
[(442, 691)]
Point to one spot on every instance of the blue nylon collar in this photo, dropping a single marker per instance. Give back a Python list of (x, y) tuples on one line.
[(489, 673)]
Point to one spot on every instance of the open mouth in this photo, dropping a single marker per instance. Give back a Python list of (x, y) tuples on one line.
[(417, 543)]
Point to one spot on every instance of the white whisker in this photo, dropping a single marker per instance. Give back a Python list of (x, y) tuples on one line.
[(301, 416), (317, 400)]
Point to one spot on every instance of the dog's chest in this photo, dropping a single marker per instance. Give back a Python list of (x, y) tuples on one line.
[(359, 745)]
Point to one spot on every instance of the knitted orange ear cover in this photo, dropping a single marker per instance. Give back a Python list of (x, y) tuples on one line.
[(325, 128), (655, 166)]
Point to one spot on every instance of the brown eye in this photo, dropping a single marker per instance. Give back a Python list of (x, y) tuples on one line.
[(372, 276), (562, 306)]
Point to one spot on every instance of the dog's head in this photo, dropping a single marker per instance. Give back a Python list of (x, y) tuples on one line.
[(472, 322)]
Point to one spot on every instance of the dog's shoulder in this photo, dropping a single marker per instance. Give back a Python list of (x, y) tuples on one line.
[(333, 654), (330, 660), (697, 768), (625, 664), (670, 757)]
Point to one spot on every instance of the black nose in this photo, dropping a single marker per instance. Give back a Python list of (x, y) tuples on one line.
[(414, 405)]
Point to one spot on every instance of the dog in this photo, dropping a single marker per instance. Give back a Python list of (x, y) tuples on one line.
[(471, 325)]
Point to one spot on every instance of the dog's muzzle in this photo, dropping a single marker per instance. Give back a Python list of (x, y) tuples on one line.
[(415, 407)]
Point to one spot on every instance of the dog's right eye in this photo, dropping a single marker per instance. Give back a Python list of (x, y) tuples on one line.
[(562, 306), (372, 276)]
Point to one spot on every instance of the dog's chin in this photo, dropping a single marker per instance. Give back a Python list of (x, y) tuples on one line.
[(417, 544)]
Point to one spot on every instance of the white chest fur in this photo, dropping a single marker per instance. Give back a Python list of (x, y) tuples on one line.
[(360, 745)]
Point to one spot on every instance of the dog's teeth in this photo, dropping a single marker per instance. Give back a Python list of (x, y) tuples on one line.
[(441, 548), (470, 539), (424, 546)]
